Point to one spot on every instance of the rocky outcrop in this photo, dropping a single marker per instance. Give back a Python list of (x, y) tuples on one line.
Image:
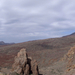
[(24, 64), (34, 67), (69, 58)]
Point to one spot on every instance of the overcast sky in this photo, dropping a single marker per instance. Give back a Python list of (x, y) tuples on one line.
[(25, 20)]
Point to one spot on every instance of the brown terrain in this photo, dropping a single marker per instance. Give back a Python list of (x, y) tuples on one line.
[(53, 55)]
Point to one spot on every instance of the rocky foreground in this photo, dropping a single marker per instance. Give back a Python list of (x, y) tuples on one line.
[(23, 65), (65, 66)]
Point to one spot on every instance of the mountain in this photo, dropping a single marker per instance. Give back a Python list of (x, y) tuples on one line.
[(71, 35), (3, 43), (47, 52)]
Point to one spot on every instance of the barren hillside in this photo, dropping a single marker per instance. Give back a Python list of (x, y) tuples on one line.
[(65, 66), (45, 51)]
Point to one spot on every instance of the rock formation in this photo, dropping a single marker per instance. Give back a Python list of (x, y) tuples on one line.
[(34, 67), (24, 65), (69, 58)]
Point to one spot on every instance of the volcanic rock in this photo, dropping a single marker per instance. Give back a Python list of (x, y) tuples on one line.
[(24, 64), (34, 67)]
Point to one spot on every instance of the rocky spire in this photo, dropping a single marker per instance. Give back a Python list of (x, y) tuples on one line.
[(24, 65)]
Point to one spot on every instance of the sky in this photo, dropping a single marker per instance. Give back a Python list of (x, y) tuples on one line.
[(26, 20)]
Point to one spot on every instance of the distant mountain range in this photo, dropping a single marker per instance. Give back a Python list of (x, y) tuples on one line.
[(3, 43)]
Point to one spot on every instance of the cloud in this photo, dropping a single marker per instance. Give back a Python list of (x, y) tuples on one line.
[(24, 20)]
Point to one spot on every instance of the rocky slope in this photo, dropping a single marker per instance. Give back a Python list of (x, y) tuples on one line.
[(65, 66), (70, 59), (46, 51)]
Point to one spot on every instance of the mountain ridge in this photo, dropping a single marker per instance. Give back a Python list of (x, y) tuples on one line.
[(3, 43)]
